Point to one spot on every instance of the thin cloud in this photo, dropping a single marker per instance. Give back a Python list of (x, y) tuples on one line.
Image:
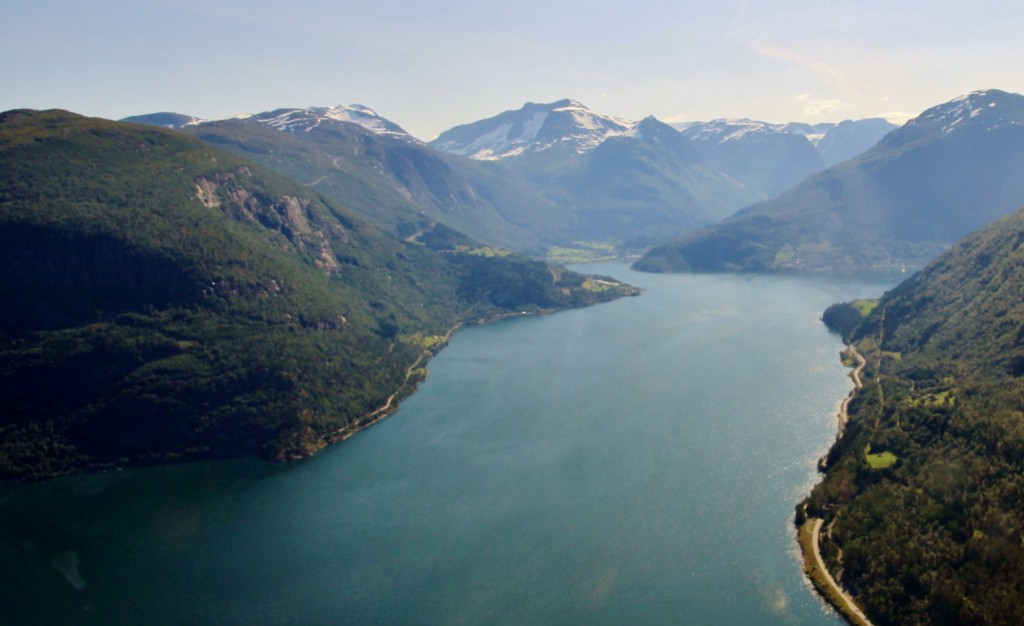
[(814, 106)]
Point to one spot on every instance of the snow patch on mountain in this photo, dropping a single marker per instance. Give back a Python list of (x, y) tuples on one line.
[(534, 128), (738, 129), (834, 142), (728, 129), (976, 107), (492, 145), (305, 120)]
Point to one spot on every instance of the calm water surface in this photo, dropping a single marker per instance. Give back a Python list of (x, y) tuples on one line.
[(632, 463)]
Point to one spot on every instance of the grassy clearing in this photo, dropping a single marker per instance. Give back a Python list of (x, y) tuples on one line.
[(785, 257), (582, 252), (599, 286), (944, 399), (881, 460), (865, 307), (426, 342), (487, 251)]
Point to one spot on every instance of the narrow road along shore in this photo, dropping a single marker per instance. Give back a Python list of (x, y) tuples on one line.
[(857, 384), (850, 610), (816, 570)]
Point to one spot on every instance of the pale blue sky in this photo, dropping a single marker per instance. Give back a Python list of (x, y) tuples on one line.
[(429, 65)]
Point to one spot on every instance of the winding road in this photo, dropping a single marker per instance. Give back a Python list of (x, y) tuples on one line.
[(852, 611), (855, 375), (851, 604)]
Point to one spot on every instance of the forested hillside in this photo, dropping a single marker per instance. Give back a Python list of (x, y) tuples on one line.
[(923, 493), (165, 300)]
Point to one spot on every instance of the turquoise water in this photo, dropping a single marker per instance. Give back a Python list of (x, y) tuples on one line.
[(632, 463)]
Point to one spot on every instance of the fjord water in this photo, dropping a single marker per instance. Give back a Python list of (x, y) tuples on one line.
[(635, 462)]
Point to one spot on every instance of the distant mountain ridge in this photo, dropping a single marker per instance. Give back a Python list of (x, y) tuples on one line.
[(766, 158), (945, 173), (634, 188), (850, 138), (556, 183), (623, 182), (543, 175), (309, 118), (834, 142), (288, 119)]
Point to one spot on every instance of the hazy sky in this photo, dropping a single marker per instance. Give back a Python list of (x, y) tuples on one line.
[(429, 65)]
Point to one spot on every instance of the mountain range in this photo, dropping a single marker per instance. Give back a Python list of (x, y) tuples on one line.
[(945, 173), (289, 119), (393, 180), (769, 158), (532, 179), (625, 183)]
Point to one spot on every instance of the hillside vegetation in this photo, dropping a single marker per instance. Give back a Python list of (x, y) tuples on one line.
[(165, 300), (398, 185), (923, 492)]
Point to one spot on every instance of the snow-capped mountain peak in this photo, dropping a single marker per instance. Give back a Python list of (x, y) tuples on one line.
[(729, 129), (305, 120), (833, 142), (565, 124), (990, 108)]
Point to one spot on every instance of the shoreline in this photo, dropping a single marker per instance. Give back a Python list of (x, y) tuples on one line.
[(391, 406), (857, 384), (809, 530), (808, 538)]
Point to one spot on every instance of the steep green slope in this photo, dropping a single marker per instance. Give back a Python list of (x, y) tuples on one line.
[(924, 492), (165, 300), (949, 171), (399, 185)]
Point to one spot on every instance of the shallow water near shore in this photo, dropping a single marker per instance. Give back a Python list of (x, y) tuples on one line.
[(633, 462)]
